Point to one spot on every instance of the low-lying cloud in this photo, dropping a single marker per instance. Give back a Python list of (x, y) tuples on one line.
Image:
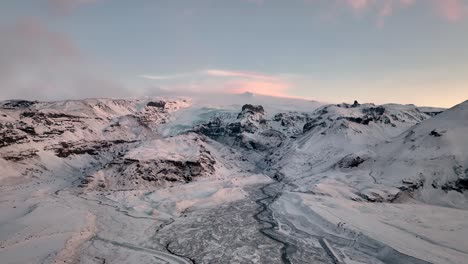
[(222, 81), (39, 63)]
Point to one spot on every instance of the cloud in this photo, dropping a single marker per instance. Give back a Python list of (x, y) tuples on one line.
[(358, 4), (451, 10), (379, 10), (407, 2), (271, 88), (38, 63), (364, 4), (385, 11), (223, 81), (166, 77), (225, 73), (63, 7)]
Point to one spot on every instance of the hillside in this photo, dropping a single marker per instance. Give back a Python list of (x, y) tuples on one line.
[(269, 180)]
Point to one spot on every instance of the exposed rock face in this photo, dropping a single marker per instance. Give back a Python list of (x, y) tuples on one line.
[(432, 113), (158, 104), (14, 104), (10, 136), (460, 185), (65, 150), (250, 130), (342, 115), (290, 119), (379, 197), (89, 132), (351, 161), (253, 109), (435, 133), (262, 141), (219, 128), (170, 170), (156, 163), (371, 114), (316, 122), (252, 118), (21, 155)]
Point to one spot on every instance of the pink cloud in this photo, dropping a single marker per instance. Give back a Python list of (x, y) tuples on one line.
[(271, 88), (362, 4), (358, 4), (66, 6), (407, 2), (223, 81), (452, 10), (225, 73), (223, 86), (387, 8), (35, 35), (242, 81), (385, 11), (381, 8)]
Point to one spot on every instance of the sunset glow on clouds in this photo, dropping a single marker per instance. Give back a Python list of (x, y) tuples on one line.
[(278, 88), (450, 10), (224, 81), (374, 50), (66, 6), (249, 75)]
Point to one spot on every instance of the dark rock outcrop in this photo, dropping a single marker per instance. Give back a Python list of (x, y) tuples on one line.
[(157, 104), (290, 118), (351, 161), (9, 137), (93, 148), (131, 173), (313, 124), (434, 133), (23, 155), (15, 104), (253, 109)]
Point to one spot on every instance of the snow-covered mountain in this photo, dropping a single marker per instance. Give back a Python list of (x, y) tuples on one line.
[(37, 137), (334, 132), (431, 158), (299, 181)]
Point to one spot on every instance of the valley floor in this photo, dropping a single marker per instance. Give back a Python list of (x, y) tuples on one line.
[(241, 220)]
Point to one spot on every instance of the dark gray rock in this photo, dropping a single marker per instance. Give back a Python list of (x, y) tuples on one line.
[(157, 104)]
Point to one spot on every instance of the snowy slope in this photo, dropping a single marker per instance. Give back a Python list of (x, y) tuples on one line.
[(336, 131), (432, 157), (39, 137), (244, 179)]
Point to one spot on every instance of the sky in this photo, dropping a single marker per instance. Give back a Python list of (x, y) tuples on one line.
[(381, 51)]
